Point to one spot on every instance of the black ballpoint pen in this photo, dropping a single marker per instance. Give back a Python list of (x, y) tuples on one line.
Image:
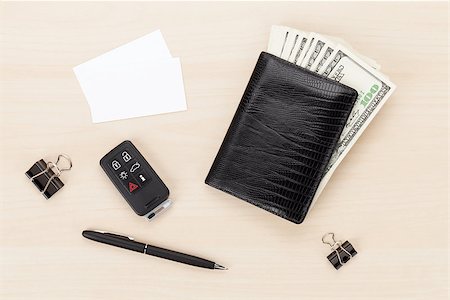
[(130, 244)]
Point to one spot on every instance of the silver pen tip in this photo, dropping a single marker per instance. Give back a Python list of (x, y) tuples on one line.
[(219, 267)]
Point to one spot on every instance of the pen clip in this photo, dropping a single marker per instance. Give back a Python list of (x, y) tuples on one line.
[(117, 235)]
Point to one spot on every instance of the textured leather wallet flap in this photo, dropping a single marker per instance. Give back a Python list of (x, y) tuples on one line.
[(281, 137)]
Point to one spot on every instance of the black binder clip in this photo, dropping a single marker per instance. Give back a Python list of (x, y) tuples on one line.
[(342, 252), (45, 176)]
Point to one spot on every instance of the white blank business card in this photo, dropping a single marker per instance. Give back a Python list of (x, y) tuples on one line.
[(137, 79)]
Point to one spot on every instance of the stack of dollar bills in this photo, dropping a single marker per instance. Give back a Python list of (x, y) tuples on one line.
[(334, 59)]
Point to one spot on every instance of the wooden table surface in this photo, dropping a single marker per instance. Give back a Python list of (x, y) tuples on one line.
[(388, 197)]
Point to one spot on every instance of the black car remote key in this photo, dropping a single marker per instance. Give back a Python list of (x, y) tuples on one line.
[(136, 180)]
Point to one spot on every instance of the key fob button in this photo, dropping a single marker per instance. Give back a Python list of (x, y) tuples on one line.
[(135, 166), (132, 186), (142, 178), (126, 156), (123, 174), (115, 165)]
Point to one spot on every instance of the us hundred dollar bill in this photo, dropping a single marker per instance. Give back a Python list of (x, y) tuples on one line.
[(373, 90), (319, 46)]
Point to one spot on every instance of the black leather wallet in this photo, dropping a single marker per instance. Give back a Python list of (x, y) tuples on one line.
[(281, 137)]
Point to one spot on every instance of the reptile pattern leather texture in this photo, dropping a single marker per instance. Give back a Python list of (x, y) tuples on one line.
[(281, 137)]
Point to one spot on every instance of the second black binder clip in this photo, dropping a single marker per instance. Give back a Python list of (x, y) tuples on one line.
[(342, 252), (45, 175)]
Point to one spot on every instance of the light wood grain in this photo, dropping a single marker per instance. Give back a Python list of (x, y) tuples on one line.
[(388, 197)]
